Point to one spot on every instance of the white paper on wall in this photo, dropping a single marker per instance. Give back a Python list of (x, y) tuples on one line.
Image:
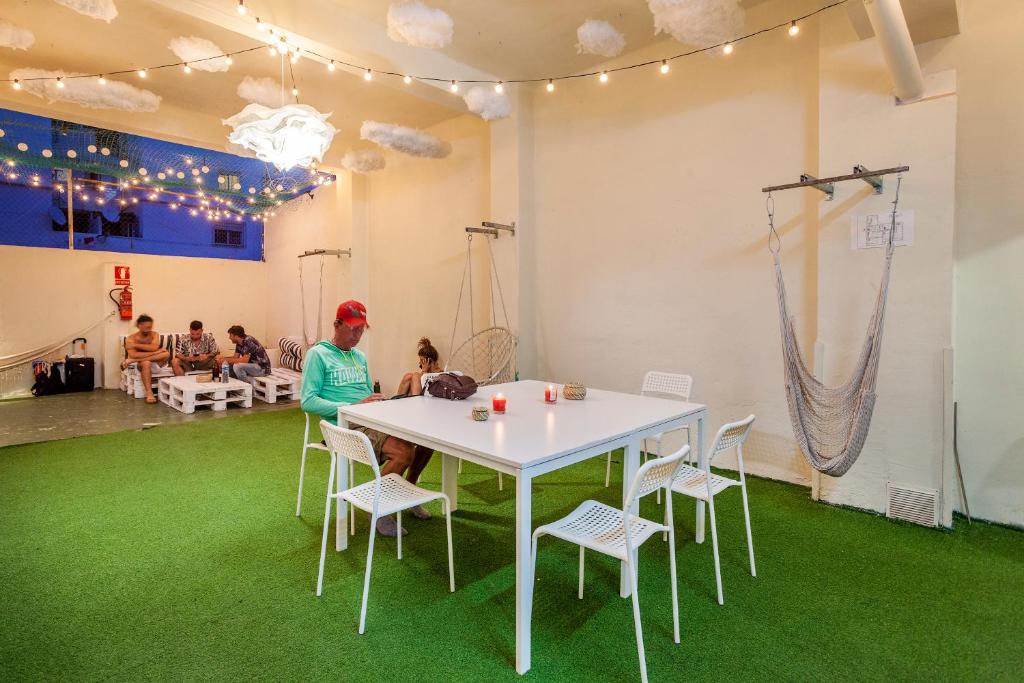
[(868, 231)]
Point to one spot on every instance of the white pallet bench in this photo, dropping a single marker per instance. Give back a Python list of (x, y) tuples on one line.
[(280, 384), (185, 394)]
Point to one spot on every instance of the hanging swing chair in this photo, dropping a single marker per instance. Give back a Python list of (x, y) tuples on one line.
[(831, 423), (488, 356)]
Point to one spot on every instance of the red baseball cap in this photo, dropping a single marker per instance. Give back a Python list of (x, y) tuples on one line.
[(352, 313)]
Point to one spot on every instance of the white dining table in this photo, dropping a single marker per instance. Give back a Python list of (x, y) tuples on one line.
[(530, 439)]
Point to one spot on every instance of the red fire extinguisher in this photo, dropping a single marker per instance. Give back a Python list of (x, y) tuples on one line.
[(123, 301)]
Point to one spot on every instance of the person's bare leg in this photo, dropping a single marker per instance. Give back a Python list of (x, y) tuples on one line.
[(420, 458), (146, 369), (176, 366), (417, 384), (405, 386), (399, 455)]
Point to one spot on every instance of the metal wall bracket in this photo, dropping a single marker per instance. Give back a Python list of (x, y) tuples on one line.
[(828, 188), (326, 252), (872, 180), (493, 229)]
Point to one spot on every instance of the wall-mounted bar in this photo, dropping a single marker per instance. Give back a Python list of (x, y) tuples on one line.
[(828, 188), (499, 226), (809, 181), (872, 180), (486, 231), (326, 252)]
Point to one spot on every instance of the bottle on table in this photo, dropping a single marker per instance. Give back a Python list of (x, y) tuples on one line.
[(376, 387), (215, 373), (225, 372)]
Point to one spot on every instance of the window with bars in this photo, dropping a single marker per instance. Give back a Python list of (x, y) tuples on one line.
[(228, 235)]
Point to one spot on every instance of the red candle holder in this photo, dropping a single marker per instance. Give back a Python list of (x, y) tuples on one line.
[(498, 403), (550, 393)]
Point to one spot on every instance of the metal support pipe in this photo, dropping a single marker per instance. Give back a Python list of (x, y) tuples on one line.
[(486, 231), (499, 226), (890, 26), (811, 181), (326, 252)]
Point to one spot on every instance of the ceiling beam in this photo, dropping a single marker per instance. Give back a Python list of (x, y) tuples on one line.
[(320, 25)]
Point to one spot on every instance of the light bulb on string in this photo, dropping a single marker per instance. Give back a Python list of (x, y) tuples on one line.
[(331, 67), (228, 60), (241, 7), (499, 87), (603, 77), (273, 51), (454, 87), (102, 80), (295, 92), (16, 84), (260, 26), (664, 66), (142, 73), (407, 79), (295, 56), (187, 69), (551, 85), (60, 81), (367, 75), (727, 48), (793, 28)]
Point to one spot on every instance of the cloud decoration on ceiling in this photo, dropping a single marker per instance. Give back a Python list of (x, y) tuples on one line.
[(419, 25), (105, 10), (288, 136), (190, 49), (363, 160), (488, 104), (409, 141), (86, 92), (265, 91), (700, 23), (15, 37), (598, 37)]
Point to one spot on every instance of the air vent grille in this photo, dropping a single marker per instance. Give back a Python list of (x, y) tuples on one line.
[(916, 505)]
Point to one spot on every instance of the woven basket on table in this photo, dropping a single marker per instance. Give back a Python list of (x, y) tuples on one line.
[(574, 391)]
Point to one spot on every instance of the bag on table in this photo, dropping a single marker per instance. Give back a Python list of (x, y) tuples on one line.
[(452, 387)]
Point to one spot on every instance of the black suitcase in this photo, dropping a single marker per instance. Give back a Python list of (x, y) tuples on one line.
[(79, 371)]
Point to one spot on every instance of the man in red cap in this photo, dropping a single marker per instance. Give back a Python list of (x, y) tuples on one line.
[(335, 373)]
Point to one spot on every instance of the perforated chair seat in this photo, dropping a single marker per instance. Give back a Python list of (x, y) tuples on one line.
[(692, 482), (599, 527), (396, 494)]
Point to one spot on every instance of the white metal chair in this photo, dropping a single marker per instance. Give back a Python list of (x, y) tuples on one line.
[(306, 445), (383, 496), (701, 484), (605, 529), (665, 384)]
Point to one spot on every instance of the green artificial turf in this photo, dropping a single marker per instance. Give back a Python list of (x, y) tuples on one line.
[(175, 553)]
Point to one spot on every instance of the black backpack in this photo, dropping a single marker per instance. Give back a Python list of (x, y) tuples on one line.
[(48, 380)]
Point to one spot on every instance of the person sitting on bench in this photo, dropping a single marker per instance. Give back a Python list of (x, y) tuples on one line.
[(143, 349), (250, 359), (197, 351)]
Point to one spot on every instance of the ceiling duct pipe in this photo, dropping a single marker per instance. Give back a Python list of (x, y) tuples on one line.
[(890, 26)]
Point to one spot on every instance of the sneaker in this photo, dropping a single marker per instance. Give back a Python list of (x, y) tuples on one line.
[(420, 512), (386, 526)]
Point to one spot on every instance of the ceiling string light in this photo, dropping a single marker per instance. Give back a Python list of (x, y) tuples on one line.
[(279, 45)]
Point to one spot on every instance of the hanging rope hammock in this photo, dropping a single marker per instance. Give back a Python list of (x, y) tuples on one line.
[(831, 423), (319, 334), (487, 356)]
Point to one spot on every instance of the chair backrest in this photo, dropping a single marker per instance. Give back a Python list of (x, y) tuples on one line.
[(731, 435), (655, 474), (350, 444), (669, 383)]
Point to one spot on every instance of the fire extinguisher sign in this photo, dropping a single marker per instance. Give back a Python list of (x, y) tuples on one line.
[(122, 275)]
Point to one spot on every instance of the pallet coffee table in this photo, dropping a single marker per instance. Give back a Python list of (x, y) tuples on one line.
[(280, 384), (185, 393)]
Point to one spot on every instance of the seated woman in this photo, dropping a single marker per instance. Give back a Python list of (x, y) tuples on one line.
[(428, 362), (412, 386)]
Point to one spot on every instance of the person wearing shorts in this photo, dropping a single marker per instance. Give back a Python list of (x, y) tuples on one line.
[(197, 351), (143, 349), (334, 374)]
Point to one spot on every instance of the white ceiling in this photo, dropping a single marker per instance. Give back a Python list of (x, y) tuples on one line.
[(493, 39)]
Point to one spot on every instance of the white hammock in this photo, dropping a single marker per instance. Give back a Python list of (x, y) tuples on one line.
[(831, 423)]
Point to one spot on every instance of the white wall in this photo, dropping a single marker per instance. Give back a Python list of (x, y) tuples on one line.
[(650, 230), (49, 294), (418, 209)]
